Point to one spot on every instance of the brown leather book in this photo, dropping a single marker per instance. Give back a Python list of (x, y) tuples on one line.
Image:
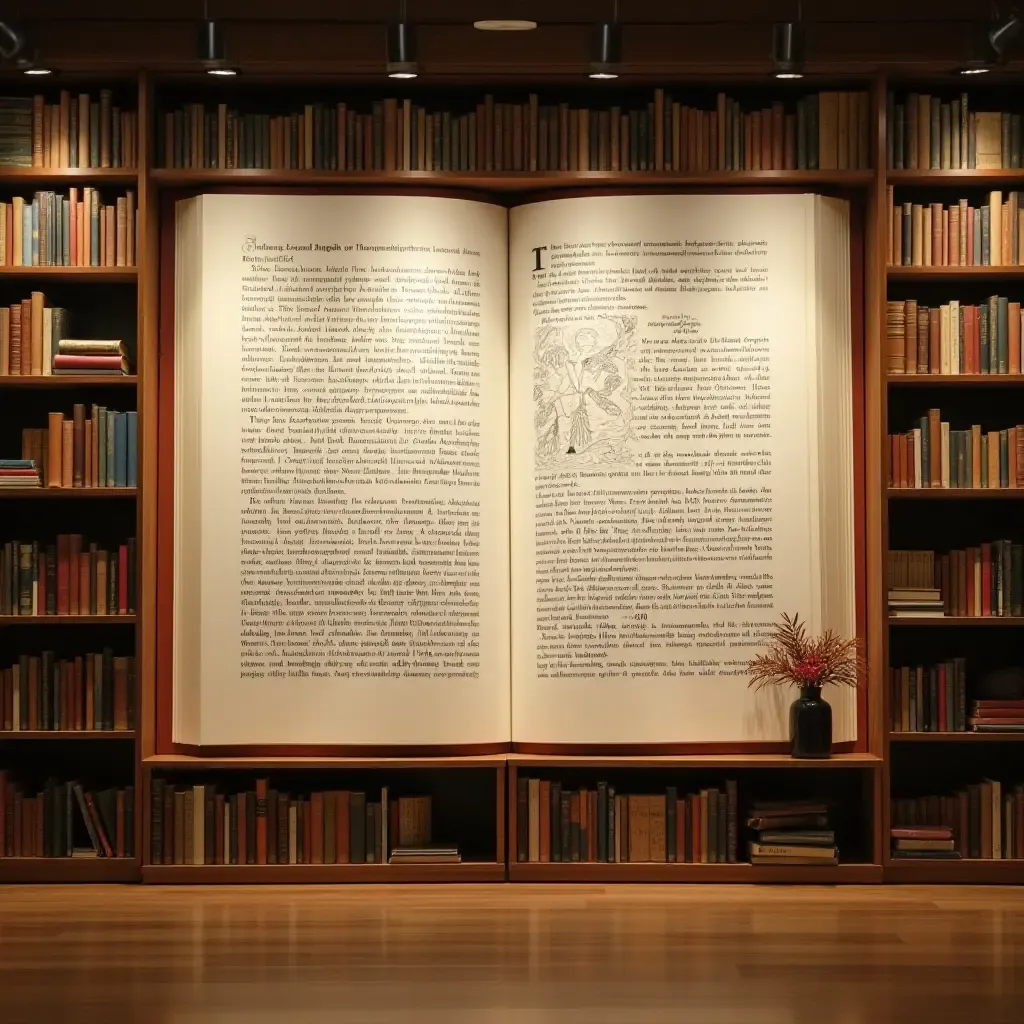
[(828, 131), (67, 459), (639, 828), (517, 137), (316, 828), (545, 821), (261, 821), (120, 693), (778, 136), (330, 830), (789, 143), (910, 336), (755, 140), (342, 826), (658, 838)]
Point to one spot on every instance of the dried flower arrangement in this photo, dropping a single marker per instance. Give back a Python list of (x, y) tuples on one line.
[(795, 659)]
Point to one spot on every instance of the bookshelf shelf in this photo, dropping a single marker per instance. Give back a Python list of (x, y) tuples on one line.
[(955, 872), (41, 870), (66, 620), (863, 874), (68, 176), (507, 181), (67, 493), (985, 178), (955, 380), (955, 493), (740, 760), (955, 737), (68, 381), (188, 762), (110, 275), (954, 273), (78, 735), (319, 874), (987, 621)]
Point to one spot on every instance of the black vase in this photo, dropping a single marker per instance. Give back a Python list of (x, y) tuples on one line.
[(810, 724)]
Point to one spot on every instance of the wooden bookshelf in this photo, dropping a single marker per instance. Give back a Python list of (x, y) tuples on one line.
[(955, 737), (65, 870), (66, 620), (67, 176), (955, 493), (108, 275), (270, 763), (321, 874), (955, 380), (68, 381), (708, 874), (984, 178), (67, 493), (955, 872), (695, 761), (78, 735), (940, 621), (929, 274)]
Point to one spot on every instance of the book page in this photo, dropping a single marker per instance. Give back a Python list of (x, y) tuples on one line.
[(341, 481), (667, 473)]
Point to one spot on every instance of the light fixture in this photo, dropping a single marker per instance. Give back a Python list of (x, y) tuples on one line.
[(505, 25), (987, 44), (36, 69), (788, 49), (606, 52), (402, 48), (210, 47)]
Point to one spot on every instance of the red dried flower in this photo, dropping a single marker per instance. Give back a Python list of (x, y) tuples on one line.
[(798, 660)]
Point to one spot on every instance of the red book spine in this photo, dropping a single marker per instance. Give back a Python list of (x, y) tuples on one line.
[(986, 579), (942, 698), (970, 558), (122, 580), (261, 821), (63, 574), (41, 588), (97, 821)]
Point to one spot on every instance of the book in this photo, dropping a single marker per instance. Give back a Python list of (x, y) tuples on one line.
[(572, 365)]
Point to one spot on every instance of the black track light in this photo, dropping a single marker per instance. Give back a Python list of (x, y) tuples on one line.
[(606, 55), (987, 45), (210, 47), (788, 49), (402, 51), (1002, 34)]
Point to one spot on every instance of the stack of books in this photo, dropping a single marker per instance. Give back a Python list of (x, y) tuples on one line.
[(915, 602), (87, 356), (997, 716), (430, 854), (19, 473), (933, 842), (792, 832)]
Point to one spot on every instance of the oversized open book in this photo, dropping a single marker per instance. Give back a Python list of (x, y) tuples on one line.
[(448, 473)]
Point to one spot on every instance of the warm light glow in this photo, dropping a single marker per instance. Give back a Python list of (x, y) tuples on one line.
[(975, 71), (38, 71), (223, 72), (603, 74), (401, 74), (504, 25), (789, 74)]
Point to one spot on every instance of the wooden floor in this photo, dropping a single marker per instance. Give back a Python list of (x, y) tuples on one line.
[(511, 955)]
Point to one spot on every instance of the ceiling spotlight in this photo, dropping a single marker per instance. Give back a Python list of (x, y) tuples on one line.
[(788, 49), (1002, 34), (606, 55), (987, 44), (210, 47), (505, 25), (35, 69), (402, 47)]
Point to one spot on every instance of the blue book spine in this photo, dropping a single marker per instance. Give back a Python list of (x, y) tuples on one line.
[(1002, 333), (35, 231), (103, 419), (120, 451), (66, 239), (977, 241), (132, 430), (52, 224), (111, 415), (26, 235)]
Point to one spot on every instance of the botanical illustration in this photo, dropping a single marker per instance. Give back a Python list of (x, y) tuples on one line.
[(581, 391)]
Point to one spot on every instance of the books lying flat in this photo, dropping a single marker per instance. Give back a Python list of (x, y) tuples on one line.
[(900, 595), (90, 347), (425, 855), (925, 855), (78, 363), (811, 854), (922, 832), (798, 837), (996, 726), (916, 613), (931, 845), (800, 861)]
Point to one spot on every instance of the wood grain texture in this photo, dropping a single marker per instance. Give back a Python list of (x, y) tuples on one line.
[(512, 955)]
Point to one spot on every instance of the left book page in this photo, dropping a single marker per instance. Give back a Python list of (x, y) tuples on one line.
[(341, 570)]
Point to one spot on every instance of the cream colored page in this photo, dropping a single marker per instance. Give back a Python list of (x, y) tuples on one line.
[(354, 471), (662, 464)]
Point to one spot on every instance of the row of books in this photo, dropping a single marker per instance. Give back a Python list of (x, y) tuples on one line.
[(41, 692), (982, 581), (959, 235), (827, 130), (934, 456), (19, 473), (599, 825), (929, 698), (953, 338), (924, 133), (66, 820), (30, 336), (68, 577), (77, 230), (76, 131), (101, 451), (792, 832), (984, 820), (201, 824)]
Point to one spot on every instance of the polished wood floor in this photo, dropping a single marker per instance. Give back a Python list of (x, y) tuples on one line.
[(511, 955)]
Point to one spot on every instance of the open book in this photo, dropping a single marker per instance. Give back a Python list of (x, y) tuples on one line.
[(447, 473)]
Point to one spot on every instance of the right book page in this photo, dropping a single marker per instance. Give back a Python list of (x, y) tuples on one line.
[(681, 460)]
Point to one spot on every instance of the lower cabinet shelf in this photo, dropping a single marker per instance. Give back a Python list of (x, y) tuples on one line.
[(850, 874), (319, 874), (40, 870), (955, 872)]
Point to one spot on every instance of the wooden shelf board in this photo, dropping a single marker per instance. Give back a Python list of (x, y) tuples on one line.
[(947, 380), (955, 493), (867, 874), (37, 870), (70, 380), (959, 178), (65, 493), (955, 737), (855, 760), (987, 621), (69, 175), (66, 620), (507, 181), (20, 735), (111, 275), (952, 273), (318, 874), (188, 762), (956, 872)]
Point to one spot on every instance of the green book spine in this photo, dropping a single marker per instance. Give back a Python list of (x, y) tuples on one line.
[(1002, 333)]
